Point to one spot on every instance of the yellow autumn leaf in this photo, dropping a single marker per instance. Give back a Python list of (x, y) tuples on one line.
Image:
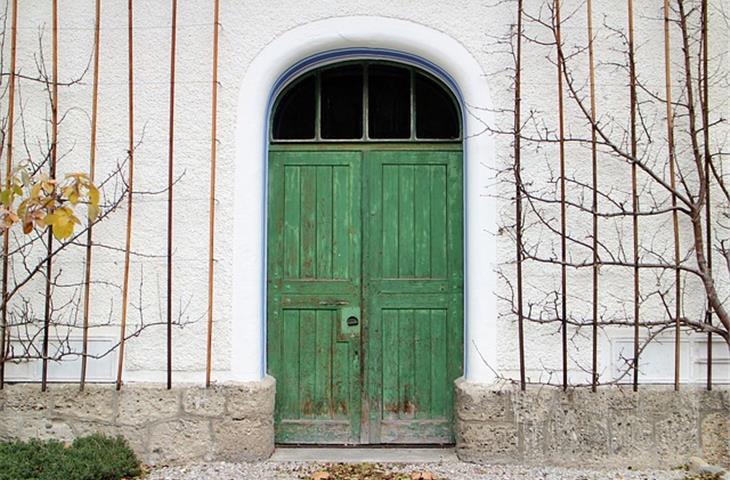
[(93, 195), (35, 191), (93, 211)]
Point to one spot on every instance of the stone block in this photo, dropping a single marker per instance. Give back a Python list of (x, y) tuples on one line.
[(26, 398), (251, 399), (206, 402), (631, 435), (143, 404), (714, 400), (35, 425), (497, 440), (533, 405), (179, 441), (676, 434), (479, 403), (577, 431), (243, 440), (534, 444), (658, 401), (136, 436), (95, 403), (715, 437)]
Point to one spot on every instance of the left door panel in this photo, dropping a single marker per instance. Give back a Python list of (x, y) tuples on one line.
[(314, 288)]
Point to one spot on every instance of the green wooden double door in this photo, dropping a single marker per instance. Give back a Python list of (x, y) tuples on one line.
[(365, 290)]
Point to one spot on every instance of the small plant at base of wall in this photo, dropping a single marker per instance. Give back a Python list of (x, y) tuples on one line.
[(95, 457)]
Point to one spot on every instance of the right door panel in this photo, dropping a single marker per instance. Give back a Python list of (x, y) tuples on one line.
[(413, 293)]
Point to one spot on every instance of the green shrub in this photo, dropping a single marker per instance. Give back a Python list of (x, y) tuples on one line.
[(95, 457)]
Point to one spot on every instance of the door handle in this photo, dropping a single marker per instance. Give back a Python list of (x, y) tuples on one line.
[(352, 321)]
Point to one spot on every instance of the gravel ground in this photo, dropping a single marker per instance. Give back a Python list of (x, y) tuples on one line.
[(440, 471)]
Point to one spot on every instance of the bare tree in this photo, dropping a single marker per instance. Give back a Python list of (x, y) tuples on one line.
[(674, 215), (31, 317)]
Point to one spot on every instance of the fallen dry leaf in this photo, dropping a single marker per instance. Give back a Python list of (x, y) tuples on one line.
[(422, 476)]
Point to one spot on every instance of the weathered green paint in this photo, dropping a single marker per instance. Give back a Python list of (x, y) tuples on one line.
[(372, 232)]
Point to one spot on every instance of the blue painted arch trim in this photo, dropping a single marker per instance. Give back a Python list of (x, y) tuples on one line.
[(336, 56)]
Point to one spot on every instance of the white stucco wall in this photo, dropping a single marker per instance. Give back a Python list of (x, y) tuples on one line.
[(259, 40)]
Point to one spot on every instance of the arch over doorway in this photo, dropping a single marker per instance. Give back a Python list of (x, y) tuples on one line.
[(333, 40)]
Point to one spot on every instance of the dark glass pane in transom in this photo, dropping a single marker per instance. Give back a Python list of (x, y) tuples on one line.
[(295, 114), (436, 113), (389, 102), (341, 103)]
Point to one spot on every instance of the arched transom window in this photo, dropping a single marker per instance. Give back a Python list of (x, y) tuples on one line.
[(366, 102)]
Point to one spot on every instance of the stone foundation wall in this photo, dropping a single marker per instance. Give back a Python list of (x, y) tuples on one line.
[(232, 422), (614, 426)]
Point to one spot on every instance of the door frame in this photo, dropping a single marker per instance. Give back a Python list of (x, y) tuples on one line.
[(356, 38)]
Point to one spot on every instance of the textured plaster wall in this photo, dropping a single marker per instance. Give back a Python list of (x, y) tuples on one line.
[(246, 29)]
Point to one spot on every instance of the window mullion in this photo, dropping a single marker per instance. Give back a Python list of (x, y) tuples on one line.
[(365, 103), (413, 104), (318, 107)]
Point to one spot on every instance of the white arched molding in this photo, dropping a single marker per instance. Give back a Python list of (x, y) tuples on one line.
[(328, 41)]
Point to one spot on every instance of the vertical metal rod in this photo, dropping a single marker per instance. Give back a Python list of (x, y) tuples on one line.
[(563, 230), (706, 138), (92, 173), (170, 173), (672, 175), (52, 174), (8, 172), (211, 218), (518, 193), (128, 243), (594, 170), (634, 190)]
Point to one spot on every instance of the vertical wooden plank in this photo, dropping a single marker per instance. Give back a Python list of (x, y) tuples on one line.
[(634, 189), (390, 327), (406, 214), (563, 209), (130, 193), (324, 222), (438, 362), (341, 222), (594, 183), (439, 258), (341, 380), (422, 221), (323, 362), (307, 353), (517, 141), (92, 176), (290, 358), (292, 221), (454, 243), (422, 352), (390, 180), (8, 171), (170, 185), (52, 174), (406, 362), (211, 191), (705, 102), (309, 222), (672, 181)]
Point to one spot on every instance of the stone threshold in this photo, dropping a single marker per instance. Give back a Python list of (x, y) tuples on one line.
[(363, 454)]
